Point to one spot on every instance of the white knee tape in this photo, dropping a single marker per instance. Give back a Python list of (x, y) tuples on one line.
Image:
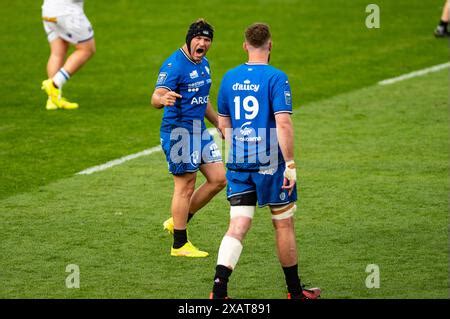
[(242, 211), (287, 214), (229, 252)]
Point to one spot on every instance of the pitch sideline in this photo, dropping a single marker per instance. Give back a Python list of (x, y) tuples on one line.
[(415, 74)]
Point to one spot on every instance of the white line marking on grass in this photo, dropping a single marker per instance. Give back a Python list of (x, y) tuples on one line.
[(119, 161), (127, 158), (415, 74)]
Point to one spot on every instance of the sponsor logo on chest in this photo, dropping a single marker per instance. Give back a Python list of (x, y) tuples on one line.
[(193, 74), (246, 86), (200, 100)]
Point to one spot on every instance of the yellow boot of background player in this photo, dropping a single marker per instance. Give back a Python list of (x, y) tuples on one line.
[(54, 95), (168, 225), (50, 105), (66, 105)]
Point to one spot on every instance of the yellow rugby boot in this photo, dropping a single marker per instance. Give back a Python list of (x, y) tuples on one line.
[(168, 225), (50, 105), (52, 91), (188, 250), (54, 94), (66, 105)]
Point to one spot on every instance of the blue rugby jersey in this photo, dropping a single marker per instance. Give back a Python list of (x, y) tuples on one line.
[(192, 81), (251, 94)]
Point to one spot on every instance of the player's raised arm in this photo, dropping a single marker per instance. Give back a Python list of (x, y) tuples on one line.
[(163, 97), (285, 134)]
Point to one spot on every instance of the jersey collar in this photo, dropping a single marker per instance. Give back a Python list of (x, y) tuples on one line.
[(187, 57), (256, 63)]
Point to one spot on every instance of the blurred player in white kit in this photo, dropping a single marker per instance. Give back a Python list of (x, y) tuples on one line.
[(65, 24)]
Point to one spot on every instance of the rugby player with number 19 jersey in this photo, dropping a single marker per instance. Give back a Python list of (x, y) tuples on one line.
[(255, 112)]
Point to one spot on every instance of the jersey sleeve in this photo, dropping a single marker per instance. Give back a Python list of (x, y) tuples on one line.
[(168, 77), (281, 94), (223, 108)]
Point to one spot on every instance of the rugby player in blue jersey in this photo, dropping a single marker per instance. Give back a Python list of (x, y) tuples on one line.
[(255, 113), (182, 89)]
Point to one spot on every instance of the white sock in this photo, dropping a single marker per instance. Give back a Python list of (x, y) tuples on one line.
[(229, 252), (61, 77)]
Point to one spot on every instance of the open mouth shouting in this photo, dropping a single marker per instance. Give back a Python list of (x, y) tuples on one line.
[(198, 53), (199, 47)]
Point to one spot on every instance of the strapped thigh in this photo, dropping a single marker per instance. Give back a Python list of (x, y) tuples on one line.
[(283, 212), (243, 205)]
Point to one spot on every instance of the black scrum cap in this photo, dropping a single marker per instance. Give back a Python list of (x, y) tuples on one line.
[(199, 28)]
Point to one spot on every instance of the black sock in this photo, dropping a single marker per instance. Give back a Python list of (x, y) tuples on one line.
[(190, 215), (179, 238), (292, 280), (444, 24), (220, 288)]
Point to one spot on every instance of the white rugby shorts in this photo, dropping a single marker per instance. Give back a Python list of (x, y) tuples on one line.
[(73, 28)]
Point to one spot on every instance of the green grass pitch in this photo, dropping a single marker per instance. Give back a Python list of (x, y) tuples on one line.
[(373, 176)]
